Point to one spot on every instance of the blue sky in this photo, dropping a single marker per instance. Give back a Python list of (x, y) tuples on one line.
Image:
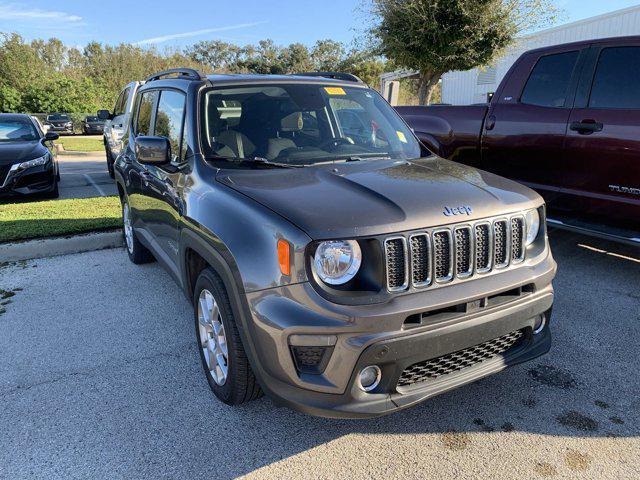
[(171, 23)]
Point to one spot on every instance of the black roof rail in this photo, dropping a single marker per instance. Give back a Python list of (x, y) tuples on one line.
[(347, 77), (183, 73)]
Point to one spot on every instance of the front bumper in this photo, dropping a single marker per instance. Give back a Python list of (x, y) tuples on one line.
[(33, 181), (62, 128), (378, 335)]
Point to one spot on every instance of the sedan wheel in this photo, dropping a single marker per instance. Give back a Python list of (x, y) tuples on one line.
[(213, 340)]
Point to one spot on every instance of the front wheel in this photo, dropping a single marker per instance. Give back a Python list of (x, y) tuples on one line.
[(109, 162), (221, 351), (137, 252)]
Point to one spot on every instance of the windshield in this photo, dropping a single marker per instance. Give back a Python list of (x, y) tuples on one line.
[(92, 119), (57, 116), (17, 130), (303, 124)]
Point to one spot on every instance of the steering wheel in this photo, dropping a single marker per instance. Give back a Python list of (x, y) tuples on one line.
[(334, 142)]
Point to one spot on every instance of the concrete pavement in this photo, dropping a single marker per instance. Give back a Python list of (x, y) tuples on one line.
[(85, 175), (100, 378)]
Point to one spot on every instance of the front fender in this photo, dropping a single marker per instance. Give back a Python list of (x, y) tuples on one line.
[(245, 235)]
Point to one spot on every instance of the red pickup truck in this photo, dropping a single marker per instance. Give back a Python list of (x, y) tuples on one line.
[(565, 120)]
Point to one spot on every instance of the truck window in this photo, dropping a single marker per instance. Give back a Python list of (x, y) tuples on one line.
[(616, 83), (145, 109), (549, 81), (169, 120)]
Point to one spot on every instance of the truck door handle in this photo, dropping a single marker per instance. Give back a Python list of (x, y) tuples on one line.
[(491, 122), (586, 127)]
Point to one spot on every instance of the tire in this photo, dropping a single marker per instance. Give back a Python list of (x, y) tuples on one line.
[(55, 193), (239, 384), (137, 252), (109, 162)]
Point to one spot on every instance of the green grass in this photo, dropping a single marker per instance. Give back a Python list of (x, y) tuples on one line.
[(81, 144), (23, 221)]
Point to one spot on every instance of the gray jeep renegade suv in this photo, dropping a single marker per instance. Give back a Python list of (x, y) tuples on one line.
[(332, 261)]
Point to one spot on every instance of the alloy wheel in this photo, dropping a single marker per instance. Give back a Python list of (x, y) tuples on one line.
[(213, 340), (128, 229)]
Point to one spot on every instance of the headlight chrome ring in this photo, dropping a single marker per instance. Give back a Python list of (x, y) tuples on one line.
[(337, 261)]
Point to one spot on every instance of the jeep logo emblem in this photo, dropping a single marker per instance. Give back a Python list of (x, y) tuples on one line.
[(462, 210)]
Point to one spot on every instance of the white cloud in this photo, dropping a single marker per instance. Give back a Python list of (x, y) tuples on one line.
[(195, 33), (11, 11)]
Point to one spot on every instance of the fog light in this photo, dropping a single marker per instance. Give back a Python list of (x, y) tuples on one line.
[(539, 324), (369, 378)]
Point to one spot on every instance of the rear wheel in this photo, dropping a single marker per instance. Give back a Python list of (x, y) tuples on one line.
[(137, 252), (221, 351)]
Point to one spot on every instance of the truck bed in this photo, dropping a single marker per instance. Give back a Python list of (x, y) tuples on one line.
[(452, 132)]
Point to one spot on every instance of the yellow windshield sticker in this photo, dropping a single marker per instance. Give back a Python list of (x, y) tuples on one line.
[(401, 136), (335, 90)]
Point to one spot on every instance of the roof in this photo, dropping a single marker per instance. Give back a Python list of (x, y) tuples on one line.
[(584, 21), (244, 78), (596, 41), (14, 116)]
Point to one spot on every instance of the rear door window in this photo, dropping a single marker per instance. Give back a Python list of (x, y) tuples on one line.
[(616, 83), (548, 84), (169, 120), (145, 111)]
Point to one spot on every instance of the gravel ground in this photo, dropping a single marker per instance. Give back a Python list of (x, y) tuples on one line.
[(99, 377)]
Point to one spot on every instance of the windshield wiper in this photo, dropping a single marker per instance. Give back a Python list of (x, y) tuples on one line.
[(366, 156), (259, 160), (265, 161)]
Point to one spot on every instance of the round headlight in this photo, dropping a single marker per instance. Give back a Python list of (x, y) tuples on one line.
[(337, 261), (533, 225)]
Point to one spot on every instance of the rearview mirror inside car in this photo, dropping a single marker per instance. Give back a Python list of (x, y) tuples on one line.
[(104, 114), (153, 150)]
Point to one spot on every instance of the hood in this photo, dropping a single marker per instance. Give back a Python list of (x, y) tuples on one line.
[(14, 152), (379, 197), (58, 122)]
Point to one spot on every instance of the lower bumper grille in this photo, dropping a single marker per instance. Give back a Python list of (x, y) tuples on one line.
[(456, 361)]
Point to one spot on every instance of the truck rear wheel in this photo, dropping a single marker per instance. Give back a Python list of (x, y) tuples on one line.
[(221, 351)]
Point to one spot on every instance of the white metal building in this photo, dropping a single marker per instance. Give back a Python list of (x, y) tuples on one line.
[(472, 86)]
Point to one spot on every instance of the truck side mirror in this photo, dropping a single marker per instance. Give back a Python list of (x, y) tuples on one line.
[(104, 115), (153, 150)]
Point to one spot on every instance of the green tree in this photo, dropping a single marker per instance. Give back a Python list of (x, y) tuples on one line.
[(435, 36)]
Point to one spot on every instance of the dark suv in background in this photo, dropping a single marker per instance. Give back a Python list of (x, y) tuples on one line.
[(59, 122), (332, 261)]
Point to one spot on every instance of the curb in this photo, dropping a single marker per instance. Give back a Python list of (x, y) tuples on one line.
[(52, 247)]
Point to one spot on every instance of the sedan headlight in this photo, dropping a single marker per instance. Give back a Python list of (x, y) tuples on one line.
[(533, 225), (36, 162), (337, 261)]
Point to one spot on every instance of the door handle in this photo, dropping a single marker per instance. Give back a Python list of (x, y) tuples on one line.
[(490, 123), (145, 176), (586, 127)]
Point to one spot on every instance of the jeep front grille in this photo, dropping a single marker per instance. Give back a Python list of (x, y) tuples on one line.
[(456, 361), (396, 253), (460, 251)]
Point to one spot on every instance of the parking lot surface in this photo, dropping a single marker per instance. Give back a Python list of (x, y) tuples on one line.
[(100, 377), (85, 175)]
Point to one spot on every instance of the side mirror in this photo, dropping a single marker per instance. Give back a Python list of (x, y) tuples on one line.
[(104, 115), (51, 136), (153, 150)]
